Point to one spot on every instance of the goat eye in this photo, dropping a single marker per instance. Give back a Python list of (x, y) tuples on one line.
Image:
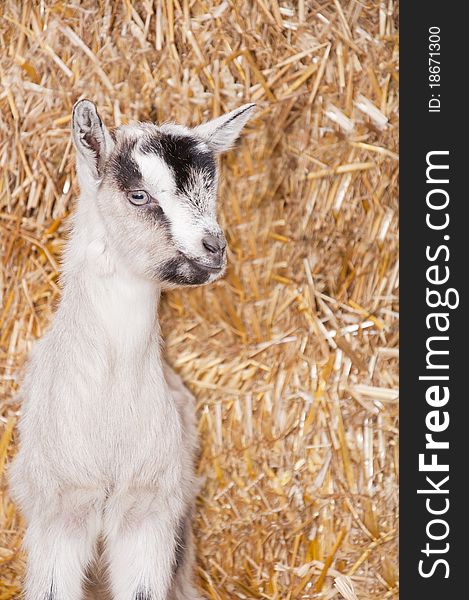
[(138, 197)]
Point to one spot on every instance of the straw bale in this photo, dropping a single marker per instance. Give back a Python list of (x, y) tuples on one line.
[(293, 355)]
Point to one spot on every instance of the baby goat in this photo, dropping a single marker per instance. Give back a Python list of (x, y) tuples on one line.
[(107, 435)]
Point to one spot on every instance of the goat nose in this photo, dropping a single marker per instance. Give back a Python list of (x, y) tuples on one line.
[(213, 244)]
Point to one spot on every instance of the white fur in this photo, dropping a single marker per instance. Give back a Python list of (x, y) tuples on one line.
[(107, 435)]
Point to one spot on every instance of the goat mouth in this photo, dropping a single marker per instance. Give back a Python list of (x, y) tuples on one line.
[(205, 266)]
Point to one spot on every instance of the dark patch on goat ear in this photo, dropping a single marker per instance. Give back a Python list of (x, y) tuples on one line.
[(89, 133), (93, 144), (124, 169), (183, 155), (222, 132), (236, 116)]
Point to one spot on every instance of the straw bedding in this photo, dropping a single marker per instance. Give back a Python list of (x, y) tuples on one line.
[(293, 356)]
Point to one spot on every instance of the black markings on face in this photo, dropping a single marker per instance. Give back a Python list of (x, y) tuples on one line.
[(142, 595), (124, 169), (180, 271), (183, 155), (155, 213)]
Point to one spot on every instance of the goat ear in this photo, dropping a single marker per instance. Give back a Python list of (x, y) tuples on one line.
[(92, 140), (222, 132)]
